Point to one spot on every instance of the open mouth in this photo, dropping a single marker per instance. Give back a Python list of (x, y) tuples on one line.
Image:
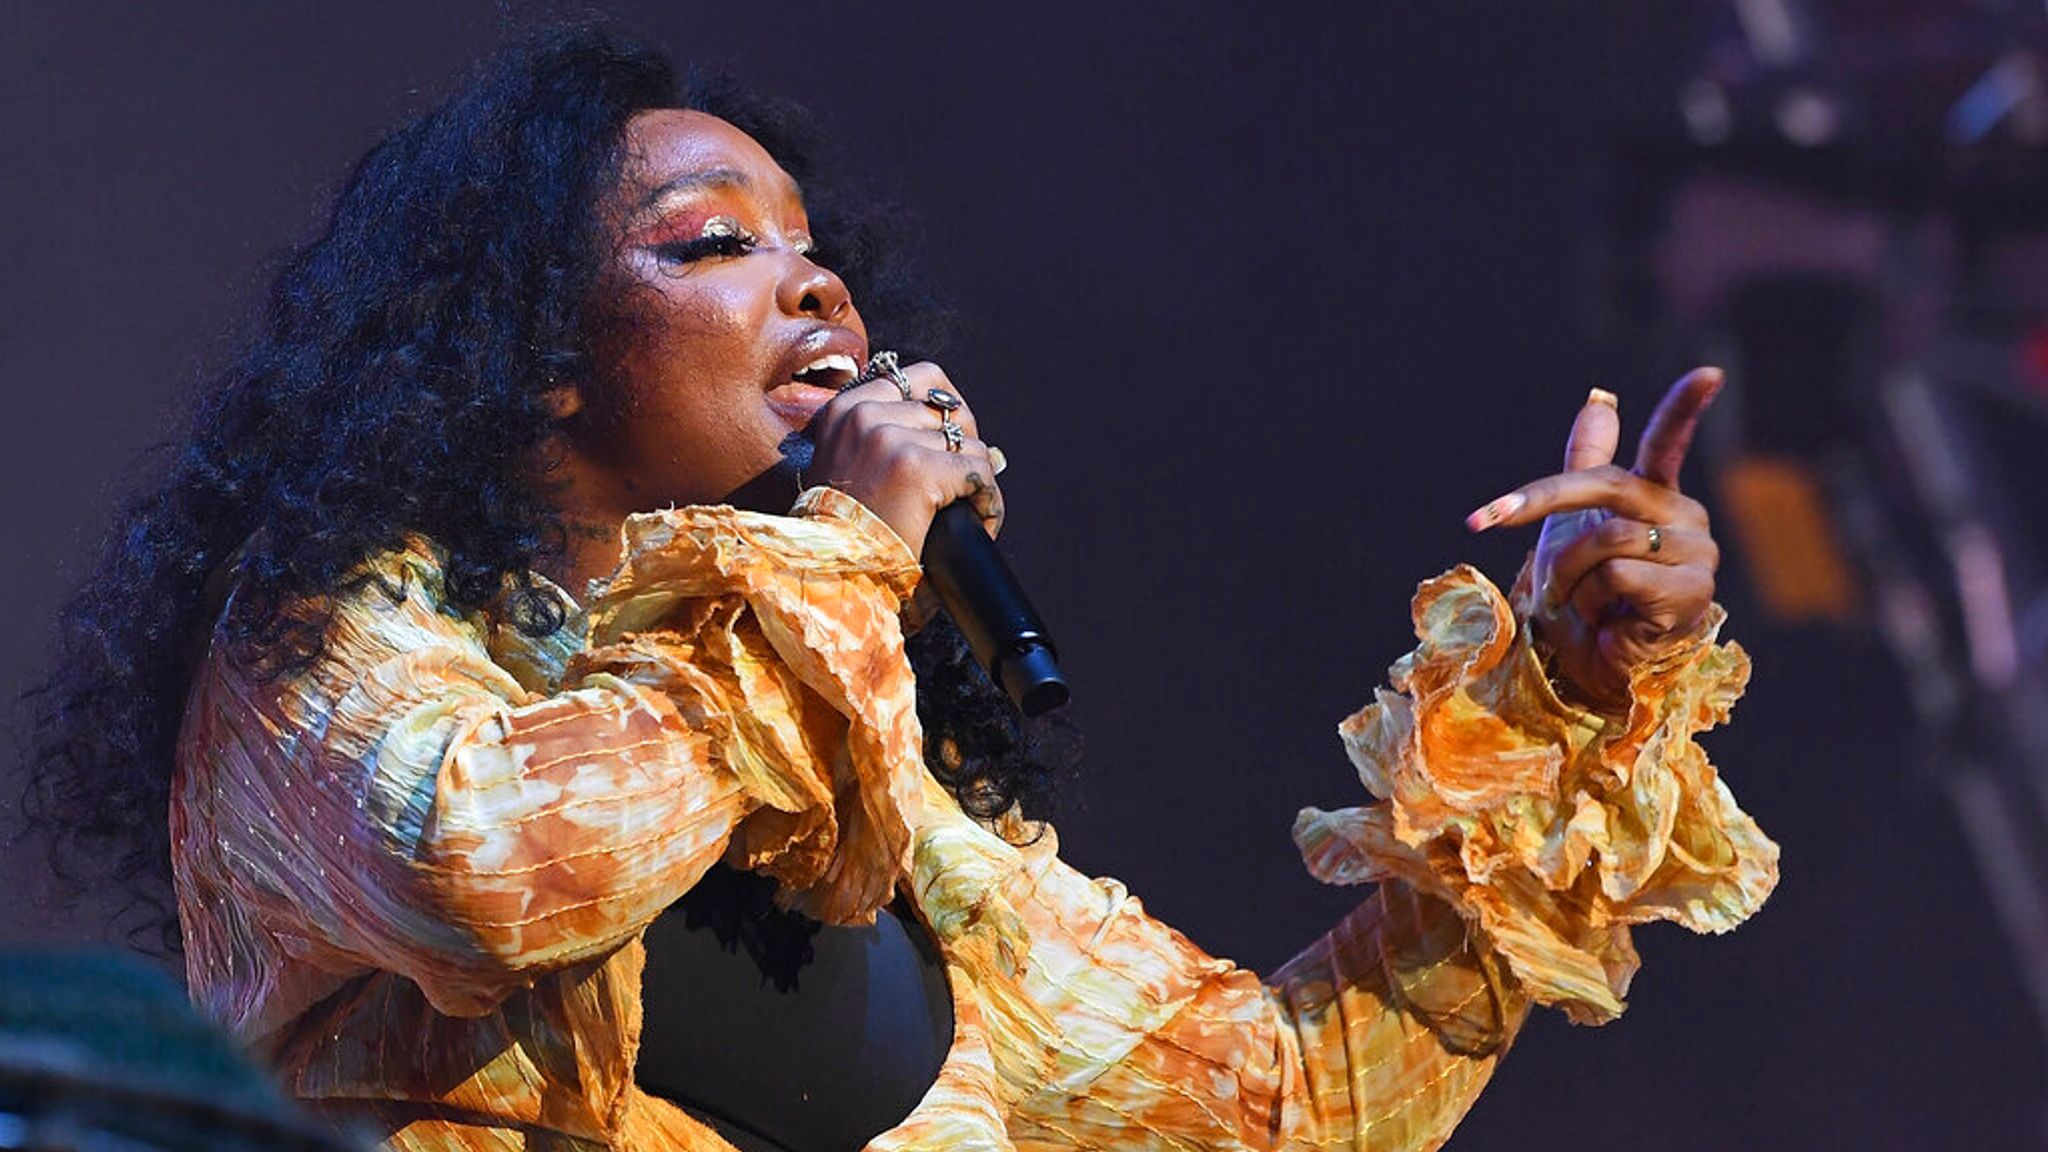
[(812, 387), (833, 370)]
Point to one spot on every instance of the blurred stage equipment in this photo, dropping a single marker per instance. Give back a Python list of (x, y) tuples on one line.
[(99, 1053), (1848, 207)]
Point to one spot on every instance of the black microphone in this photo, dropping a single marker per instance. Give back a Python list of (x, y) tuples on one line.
[(973, 581), (983, 597)]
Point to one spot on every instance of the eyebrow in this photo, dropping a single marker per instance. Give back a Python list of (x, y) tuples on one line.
[(709, 178)]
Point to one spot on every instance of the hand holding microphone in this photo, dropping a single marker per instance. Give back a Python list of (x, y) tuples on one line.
[(903, 442), (886, 442)]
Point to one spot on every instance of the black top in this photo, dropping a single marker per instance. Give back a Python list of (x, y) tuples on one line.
[(784, 1034)]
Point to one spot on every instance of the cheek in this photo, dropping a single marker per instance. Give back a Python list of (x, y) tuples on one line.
[(707, 320), (688, 344), (695, 315), (680, 414)]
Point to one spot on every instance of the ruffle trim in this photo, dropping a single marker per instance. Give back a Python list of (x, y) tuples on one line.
[(1551, 830), (781, 630)]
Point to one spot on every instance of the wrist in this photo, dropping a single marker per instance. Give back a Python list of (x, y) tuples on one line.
[(1569, 656)]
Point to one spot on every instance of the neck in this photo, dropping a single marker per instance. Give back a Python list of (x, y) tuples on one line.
[(593, 511), (592, 553), (593, 508)]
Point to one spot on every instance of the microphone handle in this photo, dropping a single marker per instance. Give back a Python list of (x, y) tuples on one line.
[(986, 601)]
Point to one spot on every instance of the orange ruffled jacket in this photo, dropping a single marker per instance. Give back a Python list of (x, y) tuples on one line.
[(413, 876)]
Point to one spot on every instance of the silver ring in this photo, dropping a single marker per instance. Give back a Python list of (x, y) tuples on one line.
[(940, 400), (955, 438), (884, 364), (1656, 539)]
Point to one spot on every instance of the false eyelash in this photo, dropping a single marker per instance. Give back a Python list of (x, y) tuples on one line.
[(701, 247)]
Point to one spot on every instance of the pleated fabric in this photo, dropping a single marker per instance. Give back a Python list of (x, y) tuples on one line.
[(413, 876)]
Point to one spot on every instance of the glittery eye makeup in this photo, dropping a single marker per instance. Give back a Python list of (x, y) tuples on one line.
[(718, 236), (722, 226)]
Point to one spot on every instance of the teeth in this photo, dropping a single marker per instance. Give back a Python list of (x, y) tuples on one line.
[(836, 362)]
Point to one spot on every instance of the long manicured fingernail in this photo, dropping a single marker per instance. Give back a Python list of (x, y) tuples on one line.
[(996, 460), (1603, 396), (1488, 515)]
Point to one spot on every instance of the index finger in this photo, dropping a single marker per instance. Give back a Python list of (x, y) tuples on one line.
[(881, 388), (1661, 455), (1595, 433), (1625, 493)]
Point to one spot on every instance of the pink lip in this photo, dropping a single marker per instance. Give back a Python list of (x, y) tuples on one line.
[(797, 404)]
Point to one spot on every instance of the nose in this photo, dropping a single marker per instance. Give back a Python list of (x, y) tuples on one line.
[(808, 290)]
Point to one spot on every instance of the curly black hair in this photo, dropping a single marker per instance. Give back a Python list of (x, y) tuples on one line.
[(396, 384)]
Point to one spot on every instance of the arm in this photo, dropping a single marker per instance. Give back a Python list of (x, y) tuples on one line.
[(406, 804), (1514, 840)]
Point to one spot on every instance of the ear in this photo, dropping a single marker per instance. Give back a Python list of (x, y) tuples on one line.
[(563, 401)]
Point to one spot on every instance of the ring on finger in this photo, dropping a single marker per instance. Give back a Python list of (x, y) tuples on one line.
[(941, 401), (1656, 539), (955, 438), (884, 363)]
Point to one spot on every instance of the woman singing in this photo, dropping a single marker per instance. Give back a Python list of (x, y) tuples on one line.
[(441, 664)]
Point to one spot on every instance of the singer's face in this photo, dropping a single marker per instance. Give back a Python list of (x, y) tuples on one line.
[(722, 335)]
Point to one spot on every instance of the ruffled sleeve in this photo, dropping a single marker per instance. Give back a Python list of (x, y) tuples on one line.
[(1549, 829), (419, 803), (1515, 840), (740, 619)]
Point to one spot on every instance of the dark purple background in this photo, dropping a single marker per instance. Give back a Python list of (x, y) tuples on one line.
[(1259, 304)]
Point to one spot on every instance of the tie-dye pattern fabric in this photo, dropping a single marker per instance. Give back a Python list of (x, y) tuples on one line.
[(413, 876)]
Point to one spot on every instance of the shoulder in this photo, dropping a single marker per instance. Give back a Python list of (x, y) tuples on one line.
[(337, 668), (396, 598)]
